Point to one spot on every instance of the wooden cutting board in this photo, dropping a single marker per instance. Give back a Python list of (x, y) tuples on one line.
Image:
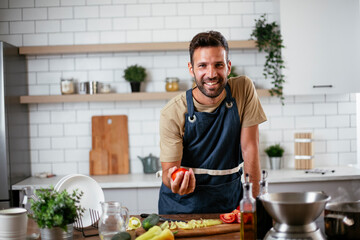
[(110, 145), (205, 231)]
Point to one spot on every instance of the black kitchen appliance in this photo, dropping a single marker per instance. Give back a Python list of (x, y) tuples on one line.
[(14, 124)]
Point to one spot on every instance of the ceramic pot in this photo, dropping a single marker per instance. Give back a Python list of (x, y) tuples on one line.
[(135, 86)]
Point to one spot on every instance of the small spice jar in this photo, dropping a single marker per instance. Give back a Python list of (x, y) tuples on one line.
[(172, 84), (67, 86)]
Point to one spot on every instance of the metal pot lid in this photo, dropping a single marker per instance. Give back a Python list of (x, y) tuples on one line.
[(348, 207)]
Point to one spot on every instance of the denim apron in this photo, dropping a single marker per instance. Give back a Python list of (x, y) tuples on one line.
[(212, 148)]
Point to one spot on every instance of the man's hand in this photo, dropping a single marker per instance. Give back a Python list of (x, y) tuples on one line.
[(184, 183)]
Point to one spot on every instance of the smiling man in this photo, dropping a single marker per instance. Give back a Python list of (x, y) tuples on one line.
[(211, 129)]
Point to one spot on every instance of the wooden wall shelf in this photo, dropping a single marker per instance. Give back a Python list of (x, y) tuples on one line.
[(122, 47), (141, 96)]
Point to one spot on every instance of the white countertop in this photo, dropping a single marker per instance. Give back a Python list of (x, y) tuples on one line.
[(292, 175), (141, 180)]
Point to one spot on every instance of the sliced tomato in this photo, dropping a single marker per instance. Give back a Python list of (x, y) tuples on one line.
[(228, 217), (237, 214), (174, 174)]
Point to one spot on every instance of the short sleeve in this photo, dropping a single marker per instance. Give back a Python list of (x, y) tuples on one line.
[(250, 110), (172, 122)]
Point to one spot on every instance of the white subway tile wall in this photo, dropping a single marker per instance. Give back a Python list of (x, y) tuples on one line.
[(61, 132)]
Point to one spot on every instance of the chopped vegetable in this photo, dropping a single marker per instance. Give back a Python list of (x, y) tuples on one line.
[(134, 223), (237, 215), (228, 217), (211, 222), (165, 225), (172, 225), (192, 224)]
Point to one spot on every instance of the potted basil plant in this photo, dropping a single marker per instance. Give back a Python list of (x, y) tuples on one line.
[(275, 153), (55, 212), (135, 74)]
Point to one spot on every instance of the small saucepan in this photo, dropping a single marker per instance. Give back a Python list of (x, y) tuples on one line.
[(342, 220)]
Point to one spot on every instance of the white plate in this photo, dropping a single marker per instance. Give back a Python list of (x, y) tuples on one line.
[(92, 198), (58, 184)]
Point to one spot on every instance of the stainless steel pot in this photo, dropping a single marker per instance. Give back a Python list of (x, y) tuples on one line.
[(342, 220)]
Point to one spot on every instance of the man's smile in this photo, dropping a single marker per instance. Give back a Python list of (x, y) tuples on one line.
[(211, 83)]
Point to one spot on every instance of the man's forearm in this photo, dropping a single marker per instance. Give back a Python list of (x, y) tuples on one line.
[(252, 167), (250, 153)]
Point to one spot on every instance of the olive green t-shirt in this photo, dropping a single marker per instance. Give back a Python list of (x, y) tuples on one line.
[(172, 116)]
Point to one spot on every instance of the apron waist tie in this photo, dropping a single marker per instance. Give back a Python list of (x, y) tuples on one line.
[(216, 172), (210, 171)]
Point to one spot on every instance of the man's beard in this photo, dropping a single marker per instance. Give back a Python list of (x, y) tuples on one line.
[(213, 93)]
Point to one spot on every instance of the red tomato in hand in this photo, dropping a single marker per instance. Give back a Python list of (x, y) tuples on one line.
[(227, 217), (174, 174)]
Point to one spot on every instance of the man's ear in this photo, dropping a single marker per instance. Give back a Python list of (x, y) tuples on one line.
[(229, 67), (191, 70)]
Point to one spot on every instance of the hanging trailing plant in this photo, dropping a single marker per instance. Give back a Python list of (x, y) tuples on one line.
[(268, 39)]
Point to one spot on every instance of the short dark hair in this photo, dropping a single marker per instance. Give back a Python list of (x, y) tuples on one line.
[(208, 39)]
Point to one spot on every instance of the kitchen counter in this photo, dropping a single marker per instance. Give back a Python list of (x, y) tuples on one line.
[(296, 176), (140, 180), (137, 180), (132, 189)]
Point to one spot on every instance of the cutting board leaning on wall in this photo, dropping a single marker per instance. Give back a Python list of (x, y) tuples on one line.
[(110, 145)]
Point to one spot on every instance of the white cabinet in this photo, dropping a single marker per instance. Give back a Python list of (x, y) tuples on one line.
[(321, 39), (137, 200)]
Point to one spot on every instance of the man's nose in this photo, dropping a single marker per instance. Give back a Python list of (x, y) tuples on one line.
[(212, 72)]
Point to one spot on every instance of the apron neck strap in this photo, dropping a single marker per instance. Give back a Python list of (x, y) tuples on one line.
[(190, 102)]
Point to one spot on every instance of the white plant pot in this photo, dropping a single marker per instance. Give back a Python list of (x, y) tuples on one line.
[(275, 163)]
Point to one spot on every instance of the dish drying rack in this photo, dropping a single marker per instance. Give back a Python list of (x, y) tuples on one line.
[(78, 224)]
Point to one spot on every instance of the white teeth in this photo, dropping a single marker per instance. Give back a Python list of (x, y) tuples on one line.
[(210, 83)]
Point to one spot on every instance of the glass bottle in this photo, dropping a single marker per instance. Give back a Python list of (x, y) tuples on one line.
[(263, 217), (114, 219), (248, 212)]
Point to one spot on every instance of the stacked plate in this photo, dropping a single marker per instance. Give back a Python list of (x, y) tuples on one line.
[(13, 223), (91, 199)]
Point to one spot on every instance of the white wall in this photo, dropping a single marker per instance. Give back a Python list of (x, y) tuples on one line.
[(61, 133)]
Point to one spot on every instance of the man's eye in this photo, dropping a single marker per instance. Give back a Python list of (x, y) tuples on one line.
[(219, 65), (201, 65)]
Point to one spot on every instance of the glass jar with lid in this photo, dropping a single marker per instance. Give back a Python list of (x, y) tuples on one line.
[(67, 86), (172, 84)]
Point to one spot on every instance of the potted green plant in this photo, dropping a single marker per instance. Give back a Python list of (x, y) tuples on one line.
[(55, 212), (135, 74), (268, 39), (275, 153)]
